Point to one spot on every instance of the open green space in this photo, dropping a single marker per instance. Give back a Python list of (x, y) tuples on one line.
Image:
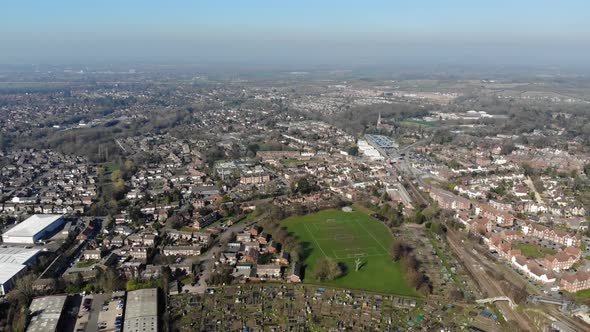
[(583, 296), (87, 263), (110, 167), (346, 237), (534, 251), (417, 123)]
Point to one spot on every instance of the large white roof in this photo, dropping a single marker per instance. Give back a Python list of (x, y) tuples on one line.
[(17, 255), (33, 225), (9, 270)]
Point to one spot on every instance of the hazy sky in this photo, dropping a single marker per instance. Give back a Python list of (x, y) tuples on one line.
[(296, 32)]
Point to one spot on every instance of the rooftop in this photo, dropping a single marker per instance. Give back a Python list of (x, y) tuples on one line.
[(33, 225), (17, 255), (8, 270), (45, 313), (141, 311)]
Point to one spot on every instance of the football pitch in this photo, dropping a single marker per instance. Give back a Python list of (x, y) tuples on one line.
[(346, 237)]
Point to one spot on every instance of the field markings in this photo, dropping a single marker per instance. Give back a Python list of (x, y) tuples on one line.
[(374, 238), (314, 240)]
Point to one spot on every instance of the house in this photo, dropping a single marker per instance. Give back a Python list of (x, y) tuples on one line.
[(140, 253), (575, 282), (510, 235), (284, 258), (273, 247), (575, 252), (230, 258), (462, 217), (263, 238), (181, 251), (243, 237), (559, 261), (255, 178), (295, 275), (251, 255), (520, 262), (117, 241), (480, 226), (207, 220), (255, 230), (268, 270), (502, 218), (539, 274), (243, 270), (449, 201), (93, 254)]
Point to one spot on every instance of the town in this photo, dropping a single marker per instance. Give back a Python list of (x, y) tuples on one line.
[(196, 203)]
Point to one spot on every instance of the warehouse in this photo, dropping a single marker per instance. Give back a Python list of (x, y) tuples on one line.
[(9, 272), (141, 311), (46, 314), (13, 263), (33, 229), (20, 256)]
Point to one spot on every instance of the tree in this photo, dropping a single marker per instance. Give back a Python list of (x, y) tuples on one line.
[(397, 249), (326, 269), (353, 150), (23, 289)]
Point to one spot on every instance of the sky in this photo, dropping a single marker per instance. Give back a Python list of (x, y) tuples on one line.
[(302, 32)]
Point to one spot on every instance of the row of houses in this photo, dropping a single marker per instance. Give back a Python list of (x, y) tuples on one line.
[(554, 235)]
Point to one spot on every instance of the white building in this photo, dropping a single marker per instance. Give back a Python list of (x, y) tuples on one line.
[(33, 229), (368, 150), (9, 272), (13, 263)]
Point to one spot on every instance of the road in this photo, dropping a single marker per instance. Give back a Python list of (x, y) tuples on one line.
[(207, 259)]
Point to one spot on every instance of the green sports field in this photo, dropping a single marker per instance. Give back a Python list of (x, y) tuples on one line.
[(344, 237)]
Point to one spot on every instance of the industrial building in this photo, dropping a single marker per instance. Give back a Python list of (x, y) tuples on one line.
[(8, 274), (141, 311), (13, 263), (46, 313), (369, 151), (35, 228)]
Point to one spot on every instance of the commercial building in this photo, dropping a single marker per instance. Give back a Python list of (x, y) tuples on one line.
[(33, 229), (369, 151), (13, 263), (46, 313), (9, 272), (141, 311), (20, 256)]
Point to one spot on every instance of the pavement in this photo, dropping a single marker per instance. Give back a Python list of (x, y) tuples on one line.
[(89, 319), (109, 315)]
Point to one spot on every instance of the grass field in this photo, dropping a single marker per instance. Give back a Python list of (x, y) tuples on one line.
[(533, 251), (345, 237), (417, 123)]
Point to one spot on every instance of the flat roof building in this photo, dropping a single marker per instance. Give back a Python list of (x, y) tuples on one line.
[(141, 311), (33, 229), (13, 262), (46, 313), (9, 272), (21, 256)]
